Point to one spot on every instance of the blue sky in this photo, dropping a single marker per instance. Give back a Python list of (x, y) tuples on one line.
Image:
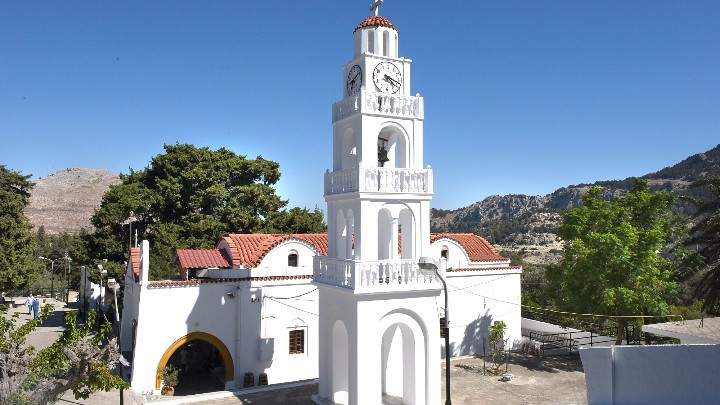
[(520, 96)]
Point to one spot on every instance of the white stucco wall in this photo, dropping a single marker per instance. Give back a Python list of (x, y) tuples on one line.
[(366, 319), (658, 375), (477, 299), (169, 313)]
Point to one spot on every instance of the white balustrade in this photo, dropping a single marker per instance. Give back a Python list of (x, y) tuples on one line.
[(373, 276), (379, 103), (379, 179)]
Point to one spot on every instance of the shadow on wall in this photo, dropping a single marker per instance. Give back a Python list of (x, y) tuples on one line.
[(203, 357), (472, 342)]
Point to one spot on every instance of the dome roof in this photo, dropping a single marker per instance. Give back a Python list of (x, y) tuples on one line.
[(375, 21)]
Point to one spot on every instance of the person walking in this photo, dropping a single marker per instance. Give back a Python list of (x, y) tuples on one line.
[(29, 303), (36, 308)]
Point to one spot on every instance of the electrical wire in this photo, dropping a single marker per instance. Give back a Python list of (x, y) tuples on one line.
[(288, 305), (293, 297), (564, 312)]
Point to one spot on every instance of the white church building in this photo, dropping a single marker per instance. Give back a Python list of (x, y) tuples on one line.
[(349, 308)]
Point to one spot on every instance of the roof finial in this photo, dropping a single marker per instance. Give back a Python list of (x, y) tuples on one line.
[(375, 7)]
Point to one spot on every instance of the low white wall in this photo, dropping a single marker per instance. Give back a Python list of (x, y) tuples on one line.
[(664, 374)]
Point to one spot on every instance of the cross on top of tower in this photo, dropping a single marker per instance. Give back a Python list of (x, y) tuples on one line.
[(375, 7)]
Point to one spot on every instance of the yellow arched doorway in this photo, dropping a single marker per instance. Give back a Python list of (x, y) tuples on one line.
[(206, 337)]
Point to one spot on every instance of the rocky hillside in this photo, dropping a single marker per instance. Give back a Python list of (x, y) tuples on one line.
[(527, 224), (64, 201)]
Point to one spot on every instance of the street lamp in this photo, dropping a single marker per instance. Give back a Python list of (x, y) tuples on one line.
[(115, 287), (428, 265), (67, 279), (102, 272)]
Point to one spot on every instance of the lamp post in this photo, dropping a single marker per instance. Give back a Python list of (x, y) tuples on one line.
[(67, 279), (428, 265), (115, 287), (102, 272)]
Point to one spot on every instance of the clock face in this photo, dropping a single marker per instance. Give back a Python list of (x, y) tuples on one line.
[(387, 77), (354, 80)]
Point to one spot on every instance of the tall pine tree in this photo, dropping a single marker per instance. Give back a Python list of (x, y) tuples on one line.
[(18, 264)]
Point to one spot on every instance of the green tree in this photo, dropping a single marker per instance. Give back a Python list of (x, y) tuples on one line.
[(704, 239), (78, 361), (612, 262), (189, 197), (18, 264)]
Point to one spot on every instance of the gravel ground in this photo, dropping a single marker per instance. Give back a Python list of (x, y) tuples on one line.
[(555, 380)]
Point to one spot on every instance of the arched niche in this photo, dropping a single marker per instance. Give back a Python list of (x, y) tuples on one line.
[(348, 149), (350, 234), (403, 359), (340, 363), (385, 234), (341, 236), (408, 231)]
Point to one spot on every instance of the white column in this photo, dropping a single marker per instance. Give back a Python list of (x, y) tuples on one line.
[(394, 245)]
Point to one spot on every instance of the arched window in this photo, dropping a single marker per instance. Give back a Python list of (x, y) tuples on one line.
[(386, 43), (293, 259), (445, 253)]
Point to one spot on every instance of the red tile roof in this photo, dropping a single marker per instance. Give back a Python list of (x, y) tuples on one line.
[(197, 281), (248, 249), (135, 261), (375, 21), (201, 259), (477, 248)]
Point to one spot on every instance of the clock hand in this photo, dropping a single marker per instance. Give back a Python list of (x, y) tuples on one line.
[(390, 79)]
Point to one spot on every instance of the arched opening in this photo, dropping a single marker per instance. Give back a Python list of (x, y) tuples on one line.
[(445, 253), (407, 234), (341, 234), (392, 149), (386, 43), (403, 363), (203, 361), (371, 41), (349, 149), (350, 238), (385, 235), (293, 258), (340, 363)]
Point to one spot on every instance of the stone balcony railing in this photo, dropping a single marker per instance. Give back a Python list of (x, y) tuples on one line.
[(364, 276), (379, 179), (379, 103)]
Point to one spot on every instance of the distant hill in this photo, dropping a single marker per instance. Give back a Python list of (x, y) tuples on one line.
[(527, 223), (64, 201)]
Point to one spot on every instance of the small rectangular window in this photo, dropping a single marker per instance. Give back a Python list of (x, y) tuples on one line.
[(293, 260), (297, 341)]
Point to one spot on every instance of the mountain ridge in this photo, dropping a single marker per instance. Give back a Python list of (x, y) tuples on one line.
[(527, 223), (64, 201)]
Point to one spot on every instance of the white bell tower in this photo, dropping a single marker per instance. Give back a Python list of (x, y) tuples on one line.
[(378, 326)]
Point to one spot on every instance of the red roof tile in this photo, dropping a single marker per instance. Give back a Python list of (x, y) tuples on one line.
[(135, 261), (201, 259), (477, 248), (198, 281), (248, 249), (375, 21)]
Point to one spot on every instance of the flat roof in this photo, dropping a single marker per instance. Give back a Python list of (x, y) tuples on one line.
[(706, 330)]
